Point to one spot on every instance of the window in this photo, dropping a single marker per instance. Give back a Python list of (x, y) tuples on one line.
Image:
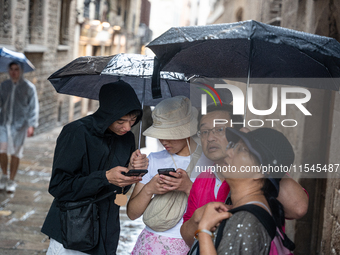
[(5, 22), (87, 8), (64, 22), (119, 7), (35, 29), (97, 10)]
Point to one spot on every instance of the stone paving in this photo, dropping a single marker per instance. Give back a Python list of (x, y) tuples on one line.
[(27, 207)]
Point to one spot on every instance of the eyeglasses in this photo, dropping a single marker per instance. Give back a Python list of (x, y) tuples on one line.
[(238, 147), (218, 131)]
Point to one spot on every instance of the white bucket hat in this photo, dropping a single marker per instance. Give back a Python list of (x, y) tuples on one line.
[(173, 118)]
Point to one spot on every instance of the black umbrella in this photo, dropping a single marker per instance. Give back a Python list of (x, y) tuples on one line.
[(85, 76), (250, 50)]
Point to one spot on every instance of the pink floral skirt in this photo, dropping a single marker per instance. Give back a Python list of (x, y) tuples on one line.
[(152, 244)]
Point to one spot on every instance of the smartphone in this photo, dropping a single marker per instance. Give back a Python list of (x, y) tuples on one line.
[(135, 172), (166, 171)]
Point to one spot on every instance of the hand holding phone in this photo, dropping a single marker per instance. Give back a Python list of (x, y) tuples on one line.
[(166, 171), (135, 172)]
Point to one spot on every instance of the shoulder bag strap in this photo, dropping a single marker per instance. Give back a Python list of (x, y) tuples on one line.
[(220, 233), (78, 204), (96, 199), (194, 158), (194, 250), (261, 214)]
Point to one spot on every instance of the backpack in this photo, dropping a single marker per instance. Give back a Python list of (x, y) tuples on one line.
[(263, 216)]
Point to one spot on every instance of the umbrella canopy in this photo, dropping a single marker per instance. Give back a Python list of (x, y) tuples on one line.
[(250, 49), (84, 77), (7, 56)]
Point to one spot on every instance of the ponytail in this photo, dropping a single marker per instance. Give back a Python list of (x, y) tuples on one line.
[(276, 207), (270, 193)]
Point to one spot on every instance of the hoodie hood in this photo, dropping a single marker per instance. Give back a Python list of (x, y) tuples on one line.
[(116, 100)]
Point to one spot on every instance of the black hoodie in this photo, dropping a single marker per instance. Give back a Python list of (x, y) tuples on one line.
[(81, 161)]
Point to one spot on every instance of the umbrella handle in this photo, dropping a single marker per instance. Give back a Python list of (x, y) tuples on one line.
[(246, 101), (141, 120), (250, 58), (140, 133)]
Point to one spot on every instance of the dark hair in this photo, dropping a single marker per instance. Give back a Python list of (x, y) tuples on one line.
[(136, 113), (225, 108), (269, 191), (15, 63)]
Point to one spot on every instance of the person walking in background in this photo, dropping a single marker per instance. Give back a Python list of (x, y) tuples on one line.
[(19, 115), (89, 160)]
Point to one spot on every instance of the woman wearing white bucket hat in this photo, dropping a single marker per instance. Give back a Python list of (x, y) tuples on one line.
[(162, 199)]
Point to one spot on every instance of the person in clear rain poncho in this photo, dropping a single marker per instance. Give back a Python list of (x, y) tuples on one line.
[(19, 114)]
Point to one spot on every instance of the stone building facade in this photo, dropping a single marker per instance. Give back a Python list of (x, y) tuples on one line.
[(317, 138), (43, 31), (53, 33)]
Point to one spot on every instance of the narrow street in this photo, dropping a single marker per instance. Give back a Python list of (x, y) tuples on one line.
[(22, 214)]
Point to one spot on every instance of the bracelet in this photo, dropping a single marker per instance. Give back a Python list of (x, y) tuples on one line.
[(203, 230)]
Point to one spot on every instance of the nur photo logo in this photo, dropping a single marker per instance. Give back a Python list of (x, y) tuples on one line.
[(204, 97), (239, 104)]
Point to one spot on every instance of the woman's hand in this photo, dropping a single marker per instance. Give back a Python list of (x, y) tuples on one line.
[(213, 214), (156, 186), (181, 182)]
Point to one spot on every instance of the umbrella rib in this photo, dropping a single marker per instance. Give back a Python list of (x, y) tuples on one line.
[(167, 83), (248, 78)]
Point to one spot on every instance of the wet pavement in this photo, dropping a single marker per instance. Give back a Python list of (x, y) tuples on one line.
[(22, 213)]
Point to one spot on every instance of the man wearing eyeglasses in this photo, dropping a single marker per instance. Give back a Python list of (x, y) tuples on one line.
[(212, 137), (208, 187)]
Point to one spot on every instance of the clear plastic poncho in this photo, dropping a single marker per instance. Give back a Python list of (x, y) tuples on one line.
[(19, 109)]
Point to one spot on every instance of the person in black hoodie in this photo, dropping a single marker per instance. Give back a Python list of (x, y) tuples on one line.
[(83, 168)]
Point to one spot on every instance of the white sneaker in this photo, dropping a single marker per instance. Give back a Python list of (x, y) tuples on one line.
[(3, 182), (11, 186)]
